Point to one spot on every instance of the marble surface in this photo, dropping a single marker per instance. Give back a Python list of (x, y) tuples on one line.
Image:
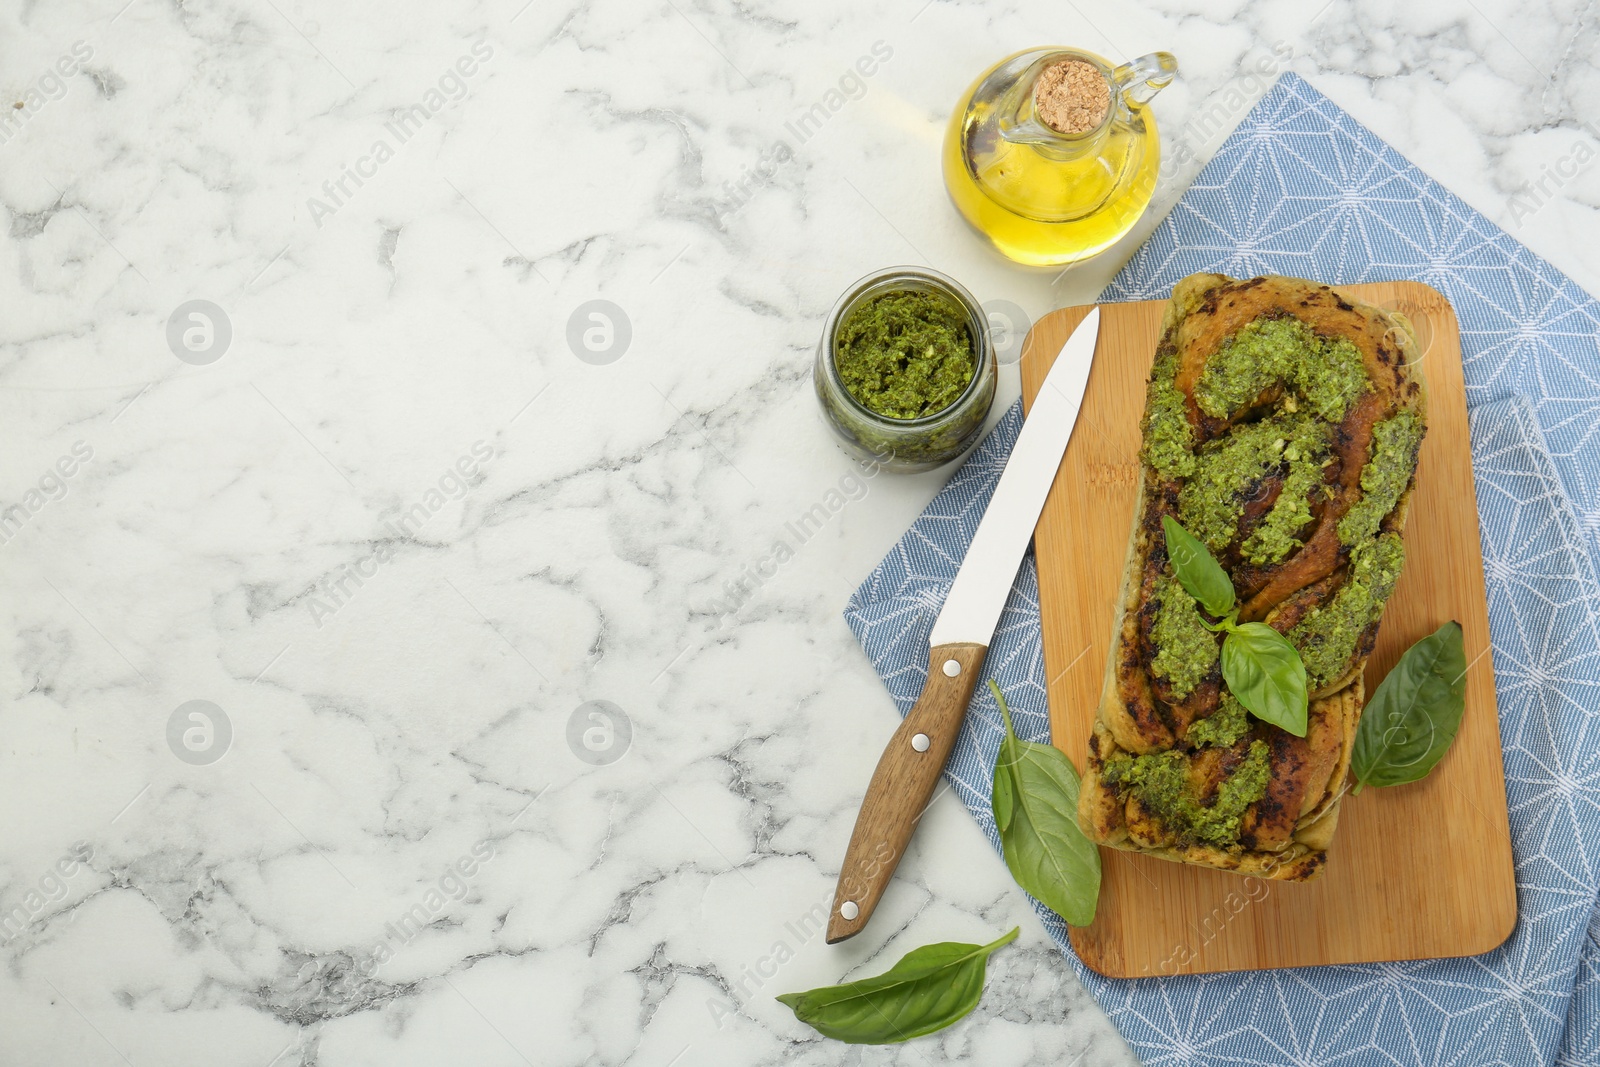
[(398, 538)]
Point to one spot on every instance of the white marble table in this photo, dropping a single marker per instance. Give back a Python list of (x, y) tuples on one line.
[(395, 532)]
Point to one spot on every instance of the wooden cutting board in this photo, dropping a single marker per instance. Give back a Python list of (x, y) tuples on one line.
[(1415, 872)]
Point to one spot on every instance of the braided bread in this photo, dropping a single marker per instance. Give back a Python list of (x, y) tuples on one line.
[(1282, 426)]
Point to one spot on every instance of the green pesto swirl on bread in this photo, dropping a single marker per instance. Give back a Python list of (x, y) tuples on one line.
[(1282, 427)]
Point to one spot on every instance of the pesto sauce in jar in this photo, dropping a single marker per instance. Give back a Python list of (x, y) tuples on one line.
[(906, 354)]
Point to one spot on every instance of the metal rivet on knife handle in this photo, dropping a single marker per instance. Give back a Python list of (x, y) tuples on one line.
[(849, 910), (951, 668), (902, 785)]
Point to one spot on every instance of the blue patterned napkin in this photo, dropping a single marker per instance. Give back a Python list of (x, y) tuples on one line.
[(1300, 188)]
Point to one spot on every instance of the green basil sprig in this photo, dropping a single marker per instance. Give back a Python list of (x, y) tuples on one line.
[(1263, 670), (930, 988), (1036, 811), (1200, 574), (1266, 675), (1414, 713)]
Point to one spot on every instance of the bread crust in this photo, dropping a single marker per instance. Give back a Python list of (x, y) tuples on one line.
[(1281, 845)]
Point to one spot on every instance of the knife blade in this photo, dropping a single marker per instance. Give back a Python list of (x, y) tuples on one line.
[(911, 765)]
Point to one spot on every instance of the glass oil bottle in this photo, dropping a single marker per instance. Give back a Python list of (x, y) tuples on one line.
[(1043, 197)]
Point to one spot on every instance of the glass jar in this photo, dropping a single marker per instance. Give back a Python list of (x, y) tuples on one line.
[(906, 445)]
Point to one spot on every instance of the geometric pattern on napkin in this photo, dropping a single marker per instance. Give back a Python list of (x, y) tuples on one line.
[(1508, 1006), (1302, 189)]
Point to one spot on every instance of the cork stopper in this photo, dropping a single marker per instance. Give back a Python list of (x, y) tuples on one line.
[(1071, 96)]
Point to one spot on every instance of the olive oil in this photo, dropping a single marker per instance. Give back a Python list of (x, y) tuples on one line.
[(1044, 198)]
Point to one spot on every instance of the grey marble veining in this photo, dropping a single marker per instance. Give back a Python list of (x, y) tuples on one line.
[(398, 536)]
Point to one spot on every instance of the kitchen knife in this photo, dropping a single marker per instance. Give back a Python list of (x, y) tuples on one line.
[(910, 767)]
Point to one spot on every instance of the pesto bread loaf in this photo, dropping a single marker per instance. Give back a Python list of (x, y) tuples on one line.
[(1282, 425)]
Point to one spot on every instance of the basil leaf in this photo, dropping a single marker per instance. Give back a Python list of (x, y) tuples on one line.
[(1200, 574), (1414, 714), (930, 988), (1044, 849), (1003, 799), (1265, 674), (1004, 795)]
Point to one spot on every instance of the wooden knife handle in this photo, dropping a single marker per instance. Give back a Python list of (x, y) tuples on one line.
[(907, 772)]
